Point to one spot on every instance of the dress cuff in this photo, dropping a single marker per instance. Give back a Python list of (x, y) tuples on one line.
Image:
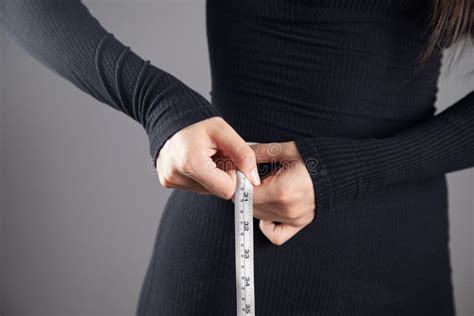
[(319, 173), (177, 111), (342, 169)]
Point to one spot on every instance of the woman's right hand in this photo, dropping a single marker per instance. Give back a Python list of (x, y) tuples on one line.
[(202, 158)]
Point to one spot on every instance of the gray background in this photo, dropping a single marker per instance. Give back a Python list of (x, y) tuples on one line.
[(79, 205)]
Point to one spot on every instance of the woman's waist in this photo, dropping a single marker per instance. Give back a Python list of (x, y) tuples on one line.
[(263, 116)]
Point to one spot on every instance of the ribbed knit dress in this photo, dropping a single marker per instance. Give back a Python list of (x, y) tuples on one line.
[(340, 78)]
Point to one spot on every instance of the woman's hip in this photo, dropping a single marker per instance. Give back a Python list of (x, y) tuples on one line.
[(386, 249)]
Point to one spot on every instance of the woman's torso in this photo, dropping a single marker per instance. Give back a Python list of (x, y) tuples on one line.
[(286, 69)]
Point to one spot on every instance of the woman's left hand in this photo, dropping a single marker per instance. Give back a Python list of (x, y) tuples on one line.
[(285, 200)]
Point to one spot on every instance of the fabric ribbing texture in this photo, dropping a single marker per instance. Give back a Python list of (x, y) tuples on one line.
[(338, 77)]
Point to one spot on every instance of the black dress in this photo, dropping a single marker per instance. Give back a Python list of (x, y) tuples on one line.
[(340, 78)]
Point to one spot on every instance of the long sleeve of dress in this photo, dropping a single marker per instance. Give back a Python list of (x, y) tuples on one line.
[(64, 36), (343, 169)]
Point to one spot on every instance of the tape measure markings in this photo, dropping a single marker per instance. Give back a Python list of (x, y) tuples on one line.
[(244, 250)]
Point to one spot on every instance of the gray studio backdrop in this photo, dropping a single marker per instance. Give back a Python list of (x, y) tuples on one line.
[(79, 205)]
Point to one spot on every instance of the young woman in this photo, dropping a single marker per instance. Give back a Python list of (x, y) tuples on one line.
[(345, 90)]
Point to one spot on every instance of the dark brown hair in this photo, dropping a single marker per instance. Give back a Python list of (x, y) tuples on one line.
[(451, 21)]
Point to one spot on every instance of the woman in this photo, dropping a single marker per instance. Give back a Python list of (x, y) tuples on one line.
[(339, 89)]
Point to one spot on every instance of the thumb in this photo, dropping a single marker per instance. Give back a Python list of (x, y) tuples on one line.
[(239, 151)]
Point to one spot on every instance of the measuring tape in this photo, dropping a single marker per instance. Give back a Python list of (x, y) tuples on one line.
[(244, 246)]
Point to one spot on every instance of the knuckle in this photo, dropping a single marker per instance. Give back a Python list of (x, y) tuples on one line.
[(219, 121), (186, 165), (246, 156), (164, 182), (292, 214), (227, 195), (170, 176), (218, 124), (167, 184)]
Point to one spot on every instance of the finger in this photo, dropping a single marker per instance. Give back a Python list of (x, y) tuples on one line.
[(205, 172), (278, 233), (182, 182), (267, 215), (171, 179), (239, 151), (191, 189), (274, 152), (268, 190), (270, 212)]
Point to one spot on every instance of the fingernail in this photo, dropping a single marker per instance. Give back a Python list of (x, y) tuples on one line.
[(255, 177)]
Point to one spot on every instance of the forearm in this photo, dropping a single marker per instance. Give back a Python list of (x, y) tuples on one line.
[(63, 35), (343, 169)]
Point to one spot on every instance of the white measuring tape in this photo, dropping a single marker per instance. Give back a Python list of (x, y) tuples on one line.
[(245, 283)]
